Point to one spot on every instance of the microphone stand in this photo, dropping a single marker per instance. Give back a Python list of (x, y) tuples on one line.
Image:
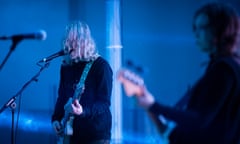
[(12, 104), (12, 48)]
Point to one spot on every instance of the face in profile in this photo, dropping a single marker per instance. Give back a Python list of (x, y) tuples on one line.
[(75, 47), (203, 34)]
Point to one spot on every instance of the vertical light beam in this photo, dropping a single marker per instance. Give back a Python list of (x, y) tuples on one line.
[(113, 44)]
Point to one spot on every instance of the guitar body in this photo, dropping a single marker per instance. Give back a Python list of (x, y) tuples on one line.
[(66, 139), (63, 139), (67, 131)]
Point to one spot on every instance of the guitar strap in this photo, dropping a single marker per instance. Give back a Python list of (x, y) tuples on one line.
[(80, 86)]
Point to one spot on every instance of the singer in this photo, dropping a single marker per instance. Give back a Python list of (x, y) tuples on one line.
[(90, 117)]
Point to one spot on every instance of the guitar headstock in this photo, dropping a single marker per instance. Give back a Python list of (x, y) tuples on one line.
[(132, 83)]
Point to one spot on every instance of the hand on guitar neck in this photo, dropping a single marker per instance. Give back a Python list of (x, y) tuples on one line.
[(134, 85), (73, 106)]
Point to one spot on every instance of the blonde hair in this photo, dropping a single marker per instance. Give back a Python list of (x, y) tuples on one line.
[(76, 32)]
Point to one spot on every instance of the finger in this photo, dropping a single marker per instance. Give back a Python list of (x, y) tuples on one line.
[(77, 110), (76, 103), (74, 108)]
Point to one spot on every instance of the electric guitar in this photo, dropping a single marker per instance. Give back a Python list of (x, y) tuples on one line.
[(133, 86), (67, 120)]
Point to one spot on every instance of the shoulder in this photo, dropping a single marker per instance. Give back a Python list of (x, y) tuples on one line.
[(226, 66), (228, 62), (101, 69), (101, 62)]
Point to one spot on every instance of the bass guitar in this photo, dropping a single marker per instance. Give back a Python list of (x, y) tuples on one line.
[(133, 86)]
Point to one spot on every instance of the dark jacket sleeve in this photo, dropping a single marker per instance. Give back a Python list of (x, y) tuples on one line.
[(206, 101)]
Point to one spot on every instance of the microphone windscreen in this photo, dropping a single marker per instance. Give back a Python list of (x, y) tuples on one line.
[(42, 35)]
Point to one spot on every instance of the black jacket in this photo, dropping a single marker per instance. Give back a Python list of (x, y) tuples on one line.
[(95, 122), (212, 114)]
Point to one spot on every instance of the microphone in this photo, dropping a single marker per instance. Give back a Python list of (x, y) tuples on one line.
[(55, 55), (40, 35)]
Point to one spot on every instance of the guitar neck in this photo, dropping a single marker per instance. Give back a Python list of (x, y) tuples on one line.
[(65, 119), (78, 93)]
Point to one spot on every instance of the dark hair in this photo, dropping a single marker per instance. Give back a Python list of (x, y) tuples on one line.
[(223, 22)]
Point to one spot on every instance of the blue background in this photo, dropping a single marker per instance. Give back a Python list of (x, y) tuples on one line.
[(156, 35)]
